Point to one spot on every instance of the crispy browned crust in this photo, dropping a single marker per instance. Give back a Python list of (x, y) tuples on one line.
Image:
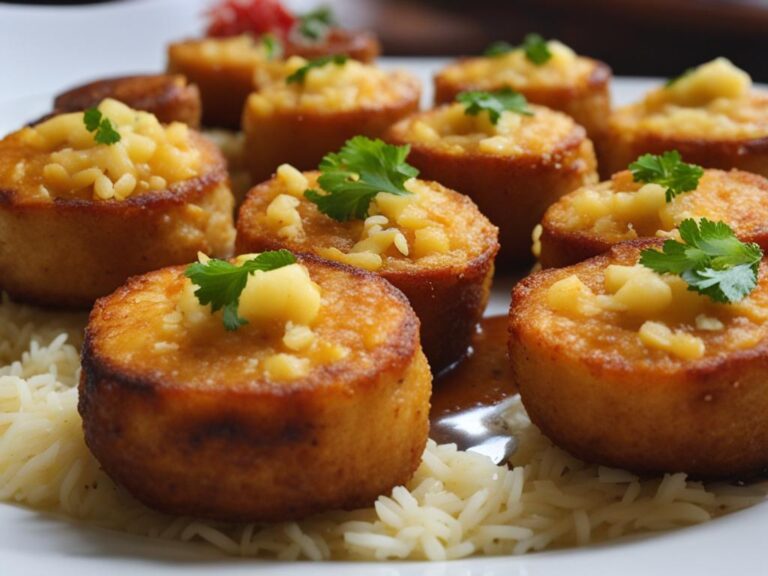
[(560, 247), (563, 247), (357, 44), (167, 96), (68, 252), (616, 151), (254, 451), (706, 418), (589, 104), (449, 301), (513, 193), (302, 138)]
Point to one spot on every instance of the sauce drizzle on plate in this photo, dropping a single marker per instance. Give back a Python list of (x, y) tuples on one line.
[(468, 401)]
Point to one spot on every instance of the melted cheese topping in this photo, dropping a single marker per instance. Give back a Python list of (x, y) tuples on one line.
[(333, 87), (666, 315), (398, 225), (241, 50), (425, 227), (450, 129), (69, 161), (617, 215), (713, 102), (564, 69), (282, 303), (622, 209)]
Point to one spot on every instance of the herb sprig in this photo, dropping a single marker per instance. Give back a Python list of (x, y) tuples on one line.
[(667, 170), (300, 75), (711, 260), (352, 177), (103, 129), (534, 46), (314, 25), (495, 103), (272, 46), (536, 49), (221, 283), (499, 49)]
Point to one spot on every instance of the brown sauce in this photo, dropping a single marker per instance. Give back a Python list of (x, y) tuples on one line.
[(483, 378), (469, 401)]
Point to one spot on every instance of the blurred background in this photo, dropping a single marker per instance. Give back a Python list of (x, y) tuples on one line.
[(636, 37)]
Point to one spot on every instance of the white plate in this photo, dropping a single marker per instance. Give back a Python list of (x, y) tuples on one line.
[(43, 50)]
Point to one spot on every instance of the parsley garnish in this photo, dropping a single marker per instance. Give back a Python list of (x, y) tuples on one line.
[(221, 283), (352, 177), (105, 132), (495, 103), (314, 25), (272, 46), (711, 260), (498, 49), (536, 49), (534, 46), (676, 79), (300, 75), (667, 170)]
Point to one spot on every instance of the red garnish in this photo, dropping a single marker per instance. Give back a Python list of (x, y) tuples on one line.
[(257, 17)]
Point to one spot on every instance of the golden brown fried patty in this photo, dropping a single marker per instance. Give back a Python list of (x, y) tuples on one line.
[(724, 133), (449, 292), (513, 191), (224, 84), (70, 251), (597, 391), (194, 430), (301, 137)]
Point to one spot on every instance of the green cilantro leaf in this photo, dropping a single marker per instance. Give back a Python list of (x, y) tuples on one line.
[(220, 283), (536, 49), (105, 132), (352, 177), (91, 119), (314, 25), (534, 46), (673, 81), (729, 285), (272, 46), (498, 49), (667, 170), (495, 103), (711, 260), (300, 75)]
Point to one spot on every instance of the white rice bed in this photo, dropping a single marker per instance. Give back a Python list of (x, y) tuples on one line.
[(458, 503)]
